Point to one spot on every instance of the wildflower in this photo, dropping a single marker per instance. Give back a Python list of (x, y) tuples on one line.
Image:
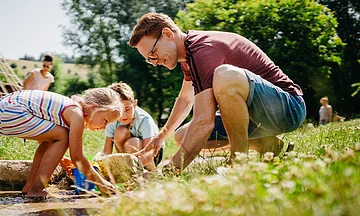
[(241, 157), (268, 156)]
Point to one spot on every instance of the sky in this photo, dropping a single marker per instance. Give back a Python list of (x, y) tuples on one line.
[(31, 27)]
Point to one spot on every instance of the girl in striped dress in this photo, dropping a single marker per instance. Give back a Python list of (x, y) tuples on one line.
[(57, 123)]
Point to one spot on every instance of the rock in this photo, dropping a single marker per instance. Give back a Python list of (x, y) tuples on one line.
[(14, 173), (119, 167)]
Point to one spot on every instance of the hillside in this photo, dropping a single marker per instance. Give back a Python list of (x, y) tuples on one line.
[(24, 67)]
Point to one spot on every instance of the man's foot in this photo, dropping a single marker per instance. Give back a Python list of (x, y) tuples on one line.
[(272, 144), (290, 147)]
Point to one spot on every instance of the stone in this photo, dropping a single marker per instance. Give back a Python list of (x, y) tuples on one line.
[(119, 167), (14, 173)]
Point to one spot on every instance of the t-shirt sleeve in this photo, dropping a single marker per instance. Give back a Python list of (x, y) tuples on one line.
[(186, 70), (110, 129), (33, 71), (148, 128)]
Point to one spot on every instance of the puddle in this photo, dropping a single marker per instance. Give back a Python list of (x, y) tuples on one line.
[(61, 203)]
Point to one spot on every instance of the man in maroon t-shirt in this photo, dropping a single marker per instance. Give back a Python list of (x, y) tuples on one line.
[(223, 72)]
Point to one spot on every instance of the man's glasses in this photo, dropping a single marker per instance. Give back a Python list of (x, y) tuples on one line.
[(152, 56), (46, 66)]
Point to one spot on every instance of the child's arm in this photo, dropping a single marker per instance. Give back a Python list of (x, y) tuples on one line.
[(108, 147), (74, 117)]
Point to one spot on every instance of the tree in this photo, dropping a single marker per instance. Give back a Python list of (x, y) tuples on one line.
[(28, 58), (57, 71), (99, 36), (74, 85), (347, 13), (299, 36)]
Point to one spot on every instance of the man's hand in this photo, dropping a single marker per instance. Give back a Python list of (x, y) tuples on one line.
[(155, 144)]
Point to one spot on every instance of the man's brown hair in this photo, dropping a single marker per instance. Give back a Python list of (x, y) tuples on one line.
[(124, 90), (151, 24)]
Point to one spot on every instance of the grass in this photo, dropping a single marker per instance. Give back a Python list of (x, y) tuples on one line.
[(93, 141), (320, 177)]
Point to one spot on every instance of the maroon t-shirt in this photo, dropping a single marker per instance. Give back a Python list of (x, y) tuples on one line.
[(206, 50)]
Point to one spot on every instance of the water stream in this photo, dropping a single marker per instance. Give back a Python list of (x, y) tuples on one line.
[(61, 202)]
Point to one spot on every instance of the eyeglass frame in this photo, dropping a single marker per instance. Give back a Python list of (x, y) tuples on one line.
[(149, 59)]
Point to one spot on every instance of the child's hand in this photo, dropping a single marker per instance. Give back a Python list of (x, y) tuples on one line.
[(140, 153), (106, 187)]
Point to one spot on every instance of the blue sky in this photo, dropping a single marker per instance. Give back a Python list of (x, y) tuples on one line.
[(31, 27)]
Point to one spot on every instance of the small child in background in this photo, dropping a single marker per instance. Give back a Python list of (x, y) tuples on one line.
[(133, 130), (40, 78), (57, 123), (325, 112)]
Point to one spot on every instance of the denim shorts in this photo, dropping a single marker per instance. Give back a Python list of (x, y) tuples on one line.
[(272, 111)]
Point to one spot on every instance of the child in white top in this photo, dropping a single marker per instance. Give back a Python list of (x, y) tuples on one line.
[(325, 112), (134, 130)]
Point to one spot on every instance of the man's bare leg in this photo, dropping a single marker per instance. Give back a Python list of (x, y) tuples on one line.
[(261, 145), (231, 90), (267, 144), (211, 147), (198, 130)]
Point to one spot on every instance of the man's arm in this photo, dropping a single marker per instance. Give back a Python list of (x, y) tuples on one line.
[(180, 111), (199, 129)]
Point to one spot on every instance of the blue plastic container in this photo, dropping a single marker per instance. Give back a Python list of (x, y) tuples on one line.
[(80, 181)]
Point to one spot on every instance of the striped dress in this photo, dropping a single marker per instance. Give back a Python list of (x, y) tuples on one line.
[(30, 113)]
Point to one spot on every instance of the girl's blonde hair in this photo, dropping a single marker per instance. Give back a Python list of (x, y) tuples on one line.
[(102, 98)]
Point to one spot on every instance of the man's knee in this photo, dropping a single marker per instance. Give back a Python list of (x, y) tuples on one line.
[(178, 136), (229, 79)]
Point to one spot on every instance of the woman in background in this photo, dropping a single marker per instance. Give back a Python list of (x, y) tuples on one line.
[(40, 78)]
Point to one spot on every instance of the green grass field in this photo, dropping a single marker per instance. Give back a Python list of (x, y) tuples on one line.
[(320, 177)]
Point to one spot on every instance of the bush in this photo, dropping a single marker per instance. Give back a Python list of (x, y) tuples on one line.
[(13, 65)]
